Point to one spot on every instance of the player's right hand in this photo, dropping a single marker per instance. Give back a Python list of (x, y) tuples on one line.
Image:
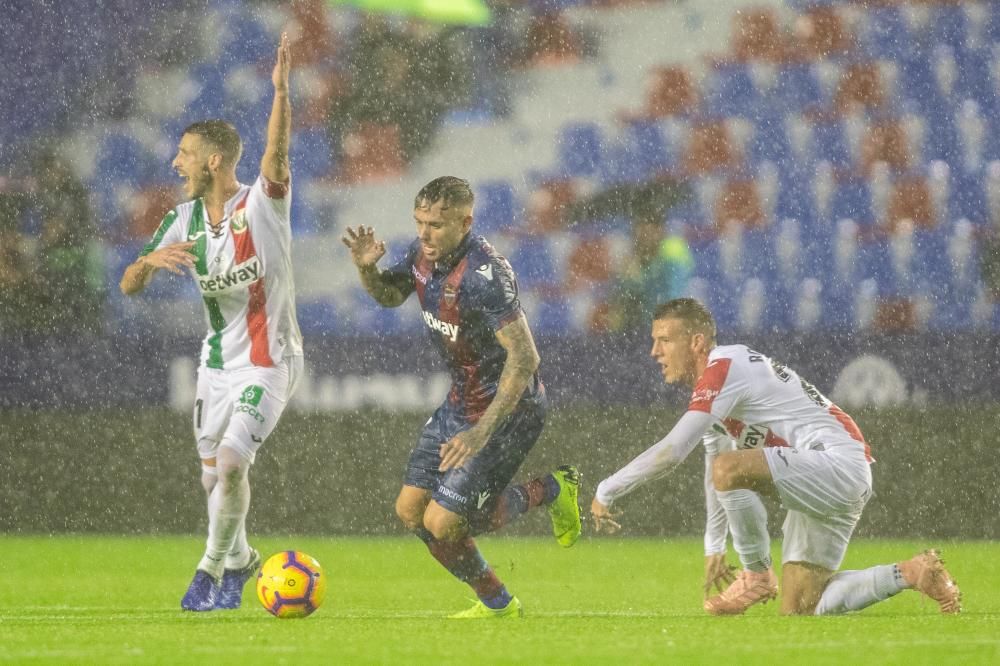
[(604, 519), (174, 257), (365, 249), (718, 573)]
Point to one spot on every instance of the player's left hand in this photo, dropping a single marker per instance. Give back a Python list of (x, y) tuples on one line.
[(457, 450), (718, 573), (604, 518), (282, 64)]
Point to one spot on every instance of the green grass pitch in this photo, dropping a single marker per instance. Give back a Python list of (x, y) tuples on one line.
[(104, 600)]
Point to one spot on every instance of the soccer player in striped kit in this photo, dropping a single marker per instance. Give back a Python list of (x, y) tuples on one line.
[(785, 439), (235, 240), (457, 482)]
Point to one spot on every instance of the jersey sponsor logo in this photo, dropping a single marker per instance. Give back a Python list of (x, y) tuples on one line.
[(753, 436), (252, 394), (249, 401), (243, 275), (418, 276), (451, 494), (709, 385), (486, 270), (482, 499), (446, 329)]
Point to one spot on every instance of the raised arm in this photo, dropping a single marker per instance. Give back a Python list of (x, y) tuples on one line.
[(518, 370), (274, 165), (366, 250)]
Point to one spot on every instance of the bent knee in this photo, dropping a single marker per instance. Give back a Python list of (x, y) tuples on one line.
[(445, 525), (725, 472), (410, 515)]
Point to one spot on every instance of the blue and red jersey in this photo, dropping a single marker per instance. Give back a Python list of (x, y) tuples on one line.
[(466, 298)]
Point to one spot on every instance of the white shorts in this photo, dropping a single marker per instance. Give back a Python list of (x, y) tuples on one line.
[(241, 407), (824, 493)]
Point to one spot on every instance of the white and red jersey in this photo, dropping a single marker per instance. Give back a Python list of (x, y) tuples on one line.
[(244, 273), (761, 403), (748, 398)]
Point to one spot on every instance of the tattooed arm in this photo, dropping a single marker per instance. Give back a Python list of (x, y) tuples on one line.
[(522, 361)]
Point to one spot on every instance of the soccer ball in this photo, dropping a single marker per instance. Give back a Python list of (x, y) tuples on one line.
[(291, 584)]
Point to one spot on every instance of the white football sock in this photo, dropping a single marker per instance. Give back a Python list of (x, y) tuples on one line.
[(853, 590), (748, 524), (228, 505), (239, 555)]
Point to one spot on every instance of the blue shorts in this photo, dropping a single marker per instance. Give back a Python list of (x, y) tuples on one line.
[(479, 482)]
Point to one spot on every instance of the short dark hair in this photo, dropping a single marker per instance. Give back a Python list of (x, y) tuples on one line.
[(692, 312), (223, 137), (449, 190)]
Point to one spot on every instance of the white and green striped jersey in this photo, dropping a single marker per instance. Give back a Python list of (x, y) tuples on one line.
[(244, 272)]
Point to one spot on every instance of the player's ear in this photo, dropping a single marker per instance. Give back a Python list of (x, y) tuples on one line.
[(698, 343), (215, 161), (467, 221)]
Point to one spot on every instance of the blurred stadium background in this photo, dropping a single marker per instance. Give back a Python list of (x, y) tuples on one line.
[(826, 175)]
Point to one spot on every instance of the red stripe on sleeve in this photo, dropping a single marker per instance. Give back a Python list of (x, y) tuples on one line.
[(260, 354), (274, 190), (709, 385)]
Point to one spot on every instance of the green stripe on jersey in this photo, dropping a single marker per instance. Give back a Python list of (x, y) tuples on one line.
[(161, 230), (196, 232), (218, 322)]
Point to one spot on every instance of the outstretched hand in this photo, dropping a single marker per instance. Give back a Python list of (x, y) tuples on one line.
[(718, 573), (282, 65), (174, 257), (604, 518), (366, 250)]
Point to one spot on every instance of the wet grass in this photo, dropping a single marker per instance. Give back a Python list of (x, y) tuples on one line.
[(103, 600)]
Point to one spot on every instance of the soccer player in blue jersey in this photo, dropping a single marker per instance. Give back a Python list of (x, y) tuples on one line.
[(457, 480)]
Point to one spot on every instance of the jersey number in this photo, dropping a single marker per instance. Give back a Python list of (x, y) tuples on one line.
[(197, 413)]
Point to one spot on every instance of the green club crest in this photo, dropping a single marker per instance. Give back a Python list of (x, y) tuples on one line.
[(251, 395)]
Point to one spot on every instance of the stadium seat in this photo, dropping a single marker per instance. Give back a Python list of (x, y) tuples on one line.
[(551, 315), (756, 35), (885, 33), (830, 144), (497, 207), (534, 264), (739, 203), (797, 88), (822, 33), (649, 147), (671, 92), (911, 200), (885, 141), (370, 152), (318, 317), (860, 86), (709, 149), (246, 42), (730, 91), (311, 153), (580, 147)]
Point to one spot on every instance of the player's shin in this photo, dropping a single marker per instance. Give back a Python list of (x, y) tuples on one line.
[(853, 590), (748, 523), (229, 503), (464, 561)]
